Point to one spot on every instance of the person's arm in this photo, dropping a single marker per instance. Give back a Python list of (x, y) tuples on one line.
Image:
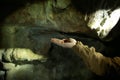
[(95, 61)]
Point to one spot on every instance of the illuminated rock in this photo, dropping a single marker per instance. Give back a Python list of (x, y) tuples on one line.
[(103, 21), (20, 54)]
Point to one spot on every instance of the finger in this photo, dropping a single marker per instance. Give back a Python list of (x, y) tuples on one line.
[(54, 39), (68, 45), (57, 41), (72, 40)]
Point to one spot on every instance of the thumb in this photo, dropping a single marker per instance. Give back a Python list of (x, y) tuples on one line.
[(73, 40)]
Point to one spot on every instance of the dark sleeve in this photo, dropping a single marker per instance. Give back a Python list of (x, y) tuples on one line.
[(95, 61)]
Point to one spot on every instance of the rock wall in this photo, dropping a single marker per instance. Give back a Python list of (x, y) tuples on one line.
[(21, 44), (26, 29)]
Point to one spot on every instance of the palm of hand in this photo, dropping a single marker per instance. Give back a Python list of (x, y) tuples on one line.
[(67, 43)]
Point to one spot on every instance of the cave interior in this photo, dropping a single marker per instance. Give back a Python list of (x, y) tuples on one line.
[(31, 24)]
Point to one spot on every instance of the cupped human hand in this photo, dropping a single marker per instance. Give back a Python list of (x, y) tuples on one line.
[(66, 43)]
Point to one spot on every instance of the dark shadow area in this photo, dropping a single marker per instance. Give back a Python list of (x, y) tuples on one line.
[(112, 42), (7, 7)]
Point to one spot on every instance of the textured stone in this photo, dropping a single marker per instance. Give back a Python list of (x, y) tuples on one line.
[(20, 54), (28, 71), (43, 14), (61, 63), (31, 24), (103, 21)]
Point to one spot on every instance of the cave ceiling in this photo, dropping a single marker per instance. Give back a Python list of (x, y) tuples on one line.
[(89, 17)]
